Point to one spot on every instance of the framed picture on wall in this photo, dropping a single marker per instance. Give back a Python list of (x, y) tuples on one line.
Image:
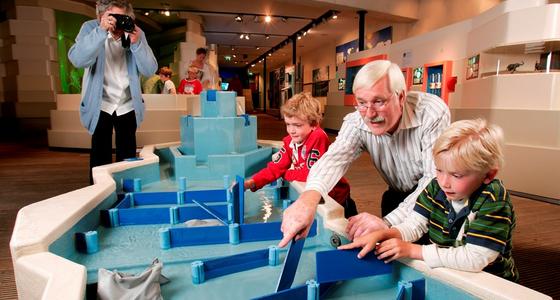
[(417, 75), (472, 66)]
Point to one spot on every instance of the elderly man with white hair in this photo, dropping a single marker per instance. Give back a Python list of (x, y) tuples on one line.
[(397, 129)]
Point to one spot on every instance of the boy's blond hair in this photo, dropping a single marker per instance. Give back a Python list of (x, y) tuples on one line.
[(303, 106), (470, 145), (192, 69)]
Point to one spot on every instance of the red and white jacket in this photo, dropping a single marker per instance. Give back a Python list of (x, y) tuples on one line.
[(293, 162)]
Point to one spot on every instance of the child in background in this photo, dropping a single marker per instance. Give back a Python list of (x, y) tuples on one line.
[(191, 85), (305, 144), (165, 77), (466, 211)]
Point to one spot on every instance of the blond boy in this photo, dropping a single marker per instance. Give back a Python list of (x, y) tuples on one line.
[(466, 211)]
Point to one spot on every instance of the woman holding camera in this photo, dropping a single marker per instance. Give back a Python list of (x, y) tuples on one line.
[(111, 93)]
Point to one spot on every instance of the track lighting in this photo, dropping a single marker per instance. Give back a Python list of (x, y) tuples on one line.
[(238, 18)]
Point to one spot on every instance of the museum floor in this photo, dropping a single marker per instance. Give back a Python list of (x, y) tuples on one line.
[(30, 172)]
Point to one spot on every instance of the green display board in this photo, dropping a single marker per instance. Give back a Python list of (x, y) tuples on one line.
[(67, 27)]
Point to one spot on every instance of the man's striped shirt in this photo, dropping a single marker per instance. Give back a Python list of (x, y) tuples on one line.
[(403, 159)]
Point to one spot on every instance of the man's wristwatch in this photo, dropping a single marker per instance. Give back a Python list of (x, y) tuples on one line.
[(387, 222)]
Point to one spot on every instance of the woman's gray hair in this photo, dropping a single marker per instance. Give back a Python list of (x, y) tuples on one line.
[(104, 5), (371, 72)]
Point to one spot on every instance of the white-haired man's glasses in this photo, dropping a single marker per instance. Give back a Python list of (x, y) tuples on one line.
[(377, 103)]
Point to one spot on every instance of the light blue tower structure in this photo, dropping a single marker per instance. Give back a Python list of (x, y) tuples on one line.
[(218, 142)]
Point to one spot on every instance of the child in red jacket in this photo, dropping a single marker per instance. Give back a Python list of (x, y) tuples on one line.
[(190, 85), (305, 144)]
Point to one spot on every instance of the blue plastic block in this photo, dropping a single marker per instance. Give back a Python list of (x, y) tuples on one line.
[(92, 242), (157, 198), (337, 265), (297, 293), (114, 217), (192, 236), (211, 95), (133, 159), (182, 183), (312, 289), (197, 272), (173, 215), (234, 234), (247, 120), (253, 232), (213, 213), (411, 290), (230, 213), (290, 265), (239, 191), (128, 185), (218, 267), (273, 256), (180, 198), (143, 216), (164, 238), (137, 184)]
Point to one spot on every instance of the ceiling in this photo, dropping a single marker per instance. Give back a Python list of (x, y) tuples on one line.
[(221, 28)]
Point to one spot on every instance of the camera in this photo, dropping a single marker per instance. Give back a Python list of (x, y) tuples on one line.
[(124, 22)]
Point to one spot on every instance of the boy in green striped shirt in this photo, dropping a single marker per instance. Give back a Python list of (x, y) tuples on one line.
[(466, 211)]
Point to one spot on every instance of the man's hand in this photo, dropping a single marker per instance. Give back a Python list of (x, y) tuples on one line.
[(107, 22), (367, 242), (135, 35), (362, 224), (298, 217), (392, 249)]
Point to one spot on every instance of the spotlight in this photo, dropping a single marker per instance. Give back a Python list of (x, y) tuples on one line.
[(267, 36), (247, 37), (299, 37), (238, 18), (269, 54), (167, 13), (241, 36), (304, 33), (234, 56), (334, 16), (147, 13), (252, 65), (232, 48), (257, 47), (267, 19)]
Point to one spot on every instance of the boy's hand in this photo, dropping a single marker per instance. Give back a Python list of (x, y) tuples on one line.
[(392, 249), (367, 242), (362, 224), (249, 184)]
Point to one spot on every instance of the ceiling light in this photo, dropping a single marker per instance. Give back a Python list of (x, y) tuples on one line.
[(147, 13), (234, 56), (299, 37), (166, 13), (235, 62), (232, 48), (257, 47), (334, 16), (304, 33), (267, 19), (267, 36), (247, 37), (252, 65), (238, 18), (241, 36), (284, 19), (269, 54)]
